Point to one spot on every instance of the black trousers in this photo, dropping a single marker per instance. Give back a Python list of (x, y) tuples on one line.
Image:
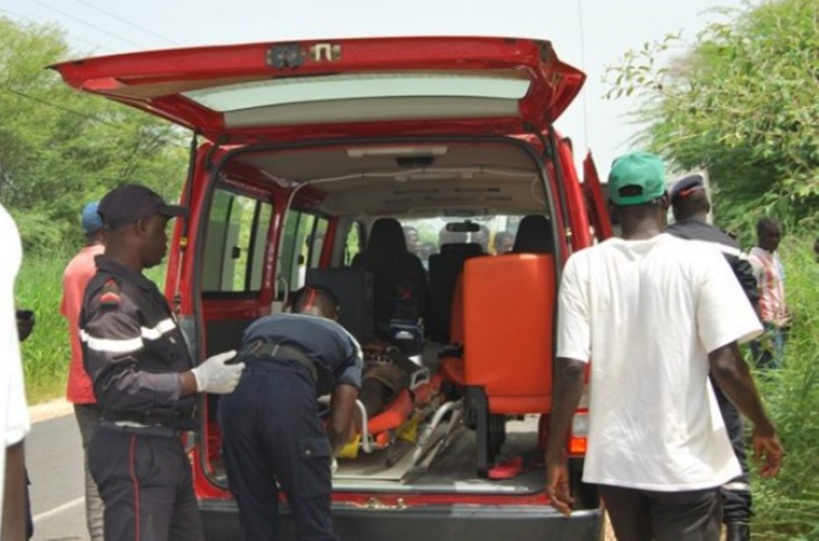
[(146, 486), (272, 432), (644, 515), (736, 495)]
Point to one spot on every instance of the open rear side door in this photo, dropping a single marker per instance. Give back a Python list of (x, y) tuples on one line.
[(596, 200)]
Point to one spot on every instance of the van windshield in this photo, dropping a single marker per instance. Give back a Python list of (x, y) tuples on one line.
[(495, 234)]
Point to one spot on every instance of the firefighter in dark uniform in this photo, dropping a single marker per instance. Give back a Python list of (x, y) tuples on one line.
[(144, 379), (271, 426), (690, 205)]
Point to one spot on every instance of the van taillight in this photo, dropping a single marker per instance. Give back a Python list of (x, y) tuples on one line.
[(578, 435)]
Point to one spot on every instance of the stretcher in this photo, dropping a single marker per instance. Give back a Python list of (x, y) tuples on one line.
[(413, 417)]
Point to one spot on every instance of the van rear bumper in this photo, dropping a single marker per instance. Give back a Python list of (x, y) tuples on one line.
[(440, 522)]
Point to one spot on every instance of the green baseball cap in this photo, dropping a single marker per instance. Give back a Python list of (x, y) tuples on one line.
[(638, 170)]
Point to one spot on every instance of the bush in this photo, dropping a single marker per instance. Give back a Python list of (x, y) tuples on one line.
[(787, 507)]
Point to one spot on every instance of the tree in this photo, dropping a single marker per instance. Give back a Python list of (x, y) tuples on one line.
[(60, 148), (743, 101)]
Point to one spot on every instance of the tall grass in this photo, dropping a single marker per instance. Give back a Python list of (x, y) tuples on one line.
[(787, 507), (46, 353)]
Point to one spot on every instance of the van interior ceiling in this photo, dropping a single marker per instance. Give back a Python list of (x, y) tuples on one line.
[(408, 179), (460, 181)]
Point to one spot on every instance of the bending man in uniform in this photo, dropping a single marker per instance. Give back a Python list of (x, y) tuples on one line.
[(144, 379), (690, 206), (271, 427)]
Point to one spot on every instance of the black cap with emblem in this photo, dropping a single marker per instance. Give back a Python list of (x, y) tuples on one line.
[(128, 203)]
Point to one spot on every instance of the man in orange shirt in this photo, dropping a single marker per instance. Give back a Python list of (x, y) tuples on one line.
[(80, 391)]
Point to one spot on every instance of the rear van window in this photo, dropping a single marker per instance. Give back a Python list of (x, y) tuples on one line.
[(238, 228)]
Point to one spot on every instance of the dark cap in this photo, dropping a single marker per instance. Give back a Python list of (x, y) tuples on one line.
[(686, 186), (128, 203)]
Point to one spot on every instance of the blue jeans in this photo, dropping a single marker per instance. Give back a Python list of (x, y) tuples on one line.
[(768, 349)]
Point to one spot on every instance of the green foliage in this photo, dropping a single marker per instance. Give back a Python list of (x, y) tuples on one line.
[(46, 353), (787, 507), (743, 102), (60, 149)]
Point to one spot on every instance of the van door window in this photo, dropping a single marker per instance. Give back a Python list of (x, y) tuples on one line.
[(354, 243), (304, 236), (317, 245), (238, 228)]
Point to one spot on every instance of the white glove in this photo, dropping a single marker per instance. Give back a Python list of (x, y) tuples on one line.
[(214, 376), (333, 466)]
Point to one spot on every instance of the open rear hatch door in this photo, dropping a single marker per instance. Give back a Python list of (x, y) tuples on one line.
[(241, 94)]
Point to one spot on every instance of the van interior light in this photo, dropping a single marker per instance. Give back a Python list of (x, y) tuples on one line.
[(366, 152)]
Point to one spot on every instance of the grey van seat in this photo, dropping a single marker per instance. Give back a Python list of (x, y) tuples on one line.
[(534, 236), (392, 266), (444, 269)]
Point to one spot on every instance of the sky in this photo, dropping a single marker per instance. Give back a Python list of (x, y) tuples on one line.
[(589, 34)]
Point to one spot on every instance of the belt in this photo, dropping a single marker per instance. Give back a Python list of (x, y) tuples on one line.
[(281, 353), (142, 430), (167, 419)]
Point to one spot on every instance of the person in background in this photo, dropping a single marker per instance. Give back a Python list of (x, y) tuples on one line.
[(80, 391), (503, 243), (14, 419), (144, 378), (272, 432), (768, 351), (412, 239), (690, 206), (657, 446)]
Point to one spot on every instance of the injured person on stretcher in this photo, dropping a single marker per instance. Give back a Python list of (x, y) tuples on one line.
[(400, 405)]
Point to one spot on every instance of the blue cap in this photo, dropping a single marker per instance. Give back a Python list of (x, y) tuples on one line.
[(686, 186), (91, 219)]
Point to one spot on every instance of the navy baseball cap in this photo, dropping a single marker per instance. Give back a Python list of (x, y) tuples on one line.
[(91, 219), (686, 186), (644, 173), (128, 203)]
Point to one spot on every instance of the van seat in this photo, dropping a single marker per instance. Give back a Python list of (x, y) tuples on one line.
[(392, 266), (444, 269), (508, 310)]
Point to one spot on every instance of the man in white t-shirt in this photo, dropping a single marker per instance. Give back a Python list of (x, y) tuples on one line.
[(14, 421), (656, 314)]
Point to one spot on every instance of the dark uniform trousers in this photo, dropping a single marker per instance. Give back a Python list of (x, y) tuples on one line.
[(145, 482), (645, 515), (736, 494), (272, 432)]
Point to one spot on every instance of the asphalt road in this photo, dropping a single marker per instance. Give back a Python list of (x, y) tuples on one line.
[(54, 462)]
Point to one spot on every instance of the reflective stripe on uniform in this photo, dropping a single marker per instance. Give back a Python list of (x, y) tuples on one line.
[(731, 251), (108, 345), (166, 325)]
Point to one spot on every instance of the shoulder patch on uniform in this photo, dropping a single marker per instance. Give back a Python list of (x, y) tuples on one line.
[(110, 296)]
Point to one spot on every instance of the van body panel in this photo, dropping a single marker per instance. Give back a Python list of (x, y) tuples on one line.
[(434, 521)]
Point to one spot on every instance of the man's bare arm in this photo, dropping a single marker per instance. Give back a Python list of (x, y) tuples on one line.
[(568, 388), (731, 374)]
